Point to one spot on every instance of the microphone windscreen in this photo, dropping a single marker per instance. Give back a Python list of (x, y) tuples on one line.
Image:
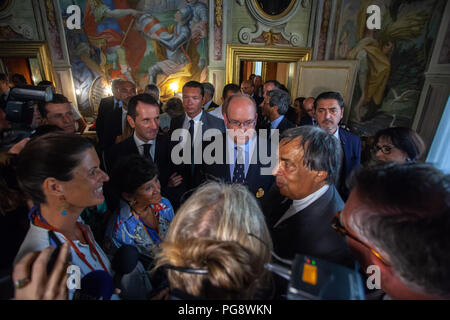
[(97, 284), (125, 259)]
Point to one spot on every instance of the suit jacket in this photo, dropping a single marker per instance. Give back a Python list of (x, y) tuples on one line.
[(257, 183), (285, 124), (309, 231), (108, 123), (291, 115), (190, 180), (351, 145), (306, 120)]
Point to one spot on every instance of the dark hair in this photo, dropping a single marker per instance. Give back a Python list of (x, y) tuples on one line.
[(195, 84), (329, 95), (275, 82), (131, 172), (230, 87), (406, 215), (208, 87), (153, 89), (51, 155), (321, 151), (300, 101), (174, 107), (4, 77), (405, 139), (280, 99), (10, 195), (45, 83), (234, 96), (144, 98), (19, 77), (57, 99)]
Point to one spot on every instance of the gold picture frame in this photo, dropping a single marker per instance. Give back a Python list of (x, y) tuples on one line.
[(315, 77), (30, 49), (238, 53)]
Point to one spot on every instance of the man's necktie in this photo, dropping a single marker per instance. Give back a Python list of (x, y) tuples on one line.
[(239, 170), (147, 147)]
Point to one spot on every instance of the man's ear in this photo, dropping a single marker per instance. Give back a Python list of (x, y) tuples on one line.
[(130, 121), (321, 176), (52, 187)]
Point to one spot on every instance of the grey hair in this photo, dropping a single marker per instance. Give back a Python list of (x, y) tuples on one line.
[(321, 151), (153, 90), (208, 87), (405, 216), (236, 96), (280, 99)]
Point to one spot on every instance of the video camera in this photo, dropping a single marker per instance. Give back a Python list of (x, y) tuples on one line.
[(19, 106), (316, 279)]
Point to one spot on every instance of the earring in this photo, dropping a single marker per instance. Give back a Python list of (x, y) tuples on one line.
[(64, 205), (133, 203)]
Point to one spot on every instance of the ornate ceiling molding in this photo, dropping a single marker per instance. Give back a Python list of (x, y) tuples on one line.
[(270, 24)]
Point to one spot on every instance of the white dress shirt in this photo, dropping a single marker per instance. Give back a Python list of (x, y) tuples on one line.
[(140, 145), (197, 126), (298, 205)]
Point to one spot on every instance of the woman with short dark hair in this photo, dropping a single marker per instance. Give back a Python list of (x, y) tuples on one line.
[(398, 144), (61, 174), (144, 215)]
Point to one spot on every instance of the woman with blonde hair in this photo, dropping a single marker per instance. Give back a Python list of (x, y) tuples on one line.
[(217, 245)]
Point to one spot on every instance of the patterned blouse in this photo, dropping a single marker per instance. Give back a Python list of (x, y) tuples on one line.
[(129, 229)]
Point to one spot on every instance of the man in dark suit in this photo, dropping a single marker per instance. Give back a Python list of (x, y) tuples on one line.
[(329, 110), (109, 120), (240, 160), (195, 122), (275, 106), (143, 117), (247, 87), (300, 207), (208, 103), (308, 113)]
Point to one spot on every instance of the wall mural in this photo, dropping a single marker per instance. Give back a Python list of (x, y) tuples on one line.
[(146, 41), (392, 59)]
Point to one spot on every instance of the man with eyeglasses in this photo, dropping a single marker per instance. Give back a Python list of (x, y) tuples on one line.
[(304, 199), (397, 219), (240, 160)]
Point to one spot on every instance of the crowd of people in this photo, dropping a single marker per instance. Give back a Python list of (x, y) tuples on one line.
[(205, 228)]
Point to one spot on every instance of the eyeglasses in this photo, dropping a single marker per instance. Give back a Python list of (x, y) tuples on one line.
[(125, 90), (245, 124), (386, 149), (340, 228)]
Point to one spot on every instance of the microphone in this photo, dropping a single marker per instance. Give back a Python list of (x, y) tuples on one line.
[(96, 285), (125, 260)]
